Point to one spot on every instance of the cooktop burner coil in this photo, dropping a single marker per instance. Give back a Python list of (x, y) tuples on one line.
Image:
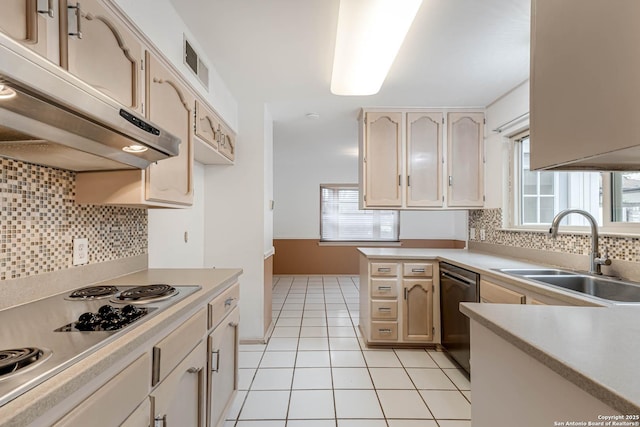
[(12, 360), (93, 292), (144, 294)]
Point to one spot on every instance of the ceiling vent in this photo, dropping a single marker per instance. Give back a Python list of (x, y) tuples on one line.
[(195, 64)]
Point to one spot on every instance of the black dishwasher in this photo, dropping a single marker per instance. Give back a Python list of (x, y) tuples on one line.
[(457, 285)]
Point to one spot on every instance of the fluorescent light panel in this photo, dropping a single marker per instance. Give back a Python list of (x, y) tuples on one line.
[(370, 33)]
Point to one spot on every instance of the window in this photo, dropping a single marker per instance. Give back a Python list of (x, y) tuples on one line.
[(341, 220), (612, 198), (541, 195)]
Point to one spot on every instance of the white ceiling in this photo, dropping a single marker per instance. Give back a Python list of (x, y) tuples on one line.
[(458, 53)]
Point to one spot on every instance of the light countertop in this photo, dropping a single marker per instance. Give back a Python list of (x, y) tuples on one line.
[(104, 362), (593, 347)]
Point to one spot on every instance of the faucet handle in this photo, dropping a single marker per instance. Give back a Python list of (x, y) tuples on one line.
[(604, 259)]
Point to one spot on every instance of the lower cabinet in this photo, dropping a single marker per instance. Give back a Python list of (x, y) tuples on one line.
[(179, 400), (124, 392), (417, 322), (222, 373), (397, 301), (491, 292)]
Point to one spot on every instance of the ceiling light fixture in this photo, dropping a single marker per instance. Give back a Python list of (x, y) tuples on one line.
[(370, 33)]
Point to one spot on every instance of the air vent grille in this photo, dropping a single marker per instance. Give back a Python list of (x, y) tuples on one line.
[(195, 64)]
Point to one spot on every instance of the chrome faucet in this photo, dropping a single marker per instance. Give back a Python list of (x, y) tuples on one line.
[(595, 260)]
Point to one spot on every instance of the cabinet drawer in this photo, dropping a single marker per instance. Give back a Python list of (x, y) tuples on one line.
[(384, 331), (223, 304), (490, 292), (417, 269), (384, 310), (175, 346), (384, 288), (124, 392), (384, 269)]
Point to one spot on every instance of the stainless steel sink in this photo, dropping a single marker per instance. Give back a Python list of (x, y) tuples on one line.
[(613, 290), (601, 287), (537, 272)]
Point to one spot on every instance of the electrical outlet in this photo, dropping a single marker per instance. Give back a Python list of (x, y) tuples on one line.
[(482, 234), (472, 233), (80, 251)]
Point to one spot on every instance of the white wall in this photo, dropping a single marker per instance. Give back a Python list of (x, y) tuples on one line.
[(159, 20), (314, 155), (508, 107), (235, 223), (268, 182), (167, 246)]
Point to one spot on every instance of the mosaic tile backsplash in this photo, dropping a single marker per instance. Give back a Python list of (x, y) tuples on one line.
[(39, 220), (620, 248)]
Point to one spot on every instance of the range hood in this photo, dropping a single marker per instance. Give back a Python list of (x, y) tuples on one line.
[(49, 117)]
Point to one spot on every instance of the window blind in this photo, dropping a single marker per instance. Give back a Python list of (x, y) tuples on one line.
[(341, 220)]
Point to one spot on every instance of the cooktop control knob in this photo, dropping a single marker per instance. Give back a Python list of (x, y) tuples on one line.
[(130, 310), (88, 322), (105, 310)]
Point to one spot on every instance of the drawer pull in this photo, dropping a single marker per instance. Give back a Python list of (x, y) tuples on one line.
[(228, 301), (217, 354), (160, 421), (194, 370), (388, 309), (417, 270), (384, 288), (384, 269), (384, 331)]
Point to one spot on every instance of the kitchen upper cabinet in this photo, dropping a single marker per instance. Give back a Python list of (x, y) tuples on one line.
[(214, 143), (465, 159), (179, 400), (170, 106), (382, 160), (417, 319), (585, 85), (166, 183), (97, 48), (424, 160), (402, 154), (27, 21)]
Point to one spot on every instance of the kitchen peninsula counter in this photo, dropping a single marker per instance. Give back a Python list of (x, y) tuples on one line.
[(594, 347), (50, 400)]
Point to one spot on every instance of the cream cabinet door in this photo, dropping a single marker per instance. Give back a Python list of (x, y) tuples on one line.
[(22, 21), (493, 293), (383, 159), (106, 55), (227, 145), (424, 160), (417, 310), (179, 400), (223, 382), (170, 106), (465, 159), (207, 125)]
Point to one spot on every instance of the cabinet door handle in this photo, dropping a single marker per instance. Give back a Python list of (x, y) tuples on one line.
[(160, 421), (384, 288), (450, 180), (399, 180), (233, 324), (417, 270), (408, 180), (78, 13), (388, 309), (406, 292), (217, 354), (47, 9), (228, 301), (194, 370), (384, 331), (384, 270)]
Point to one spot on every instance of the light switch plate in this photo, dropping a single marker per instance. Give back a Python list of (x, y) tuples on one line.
[(80, 251)]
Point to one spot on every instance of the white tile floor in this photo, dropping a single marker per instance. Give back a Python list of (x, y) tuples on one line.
[(317, 372)]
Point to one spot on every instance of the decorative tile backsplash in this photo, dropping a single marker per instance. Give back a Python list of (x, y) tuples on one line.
[(620, 248), (39, 220)]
